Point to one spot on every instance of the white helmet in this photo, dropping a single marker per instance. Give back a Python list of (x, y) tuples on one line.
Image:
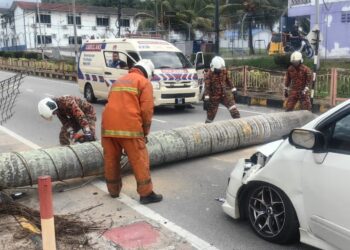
[(147, 66), (217, 63), (46, 107), (296, 57)]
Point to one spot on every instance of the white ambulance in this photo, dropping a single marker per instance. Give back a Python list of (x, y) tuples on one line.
[(175, 80)]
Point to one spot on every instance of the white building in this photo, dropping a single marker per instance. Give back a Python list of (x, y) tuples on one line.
[(21, 29)]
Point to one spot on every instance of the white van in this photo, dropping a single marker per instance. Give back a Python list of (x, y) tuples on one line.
[(175, 80)]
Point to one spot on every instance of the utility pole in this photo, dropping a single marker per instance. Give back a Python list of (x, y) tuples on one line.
[(41, 37), (317, 41), (217, 27), (75, 33), (156, 15), (119, 16)]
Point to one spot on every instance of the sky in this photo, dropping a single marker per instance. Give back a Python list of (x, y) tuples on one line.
[(7, 3)]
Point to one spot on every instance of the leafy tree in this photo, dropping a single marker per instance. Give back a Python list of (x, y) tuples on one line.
[(265, 12)]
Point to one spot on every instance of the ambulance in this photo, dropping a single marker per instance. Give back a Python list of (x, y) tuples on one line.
[(175, 80)]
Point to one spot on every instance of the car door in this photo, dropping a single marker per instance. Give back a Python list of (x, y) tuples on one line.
[(110, 73), (326, 184)]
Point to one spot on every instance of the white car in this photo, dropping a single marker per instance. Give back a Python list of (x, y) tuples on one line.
[(298, 188)]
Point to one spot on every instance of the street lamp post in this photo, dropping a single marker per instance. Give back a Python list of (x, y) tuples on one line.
[(217, 27), (317, 41), (75, 33)]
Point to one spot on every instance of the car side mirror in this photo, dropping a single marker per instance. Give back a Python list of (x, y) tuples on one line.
[(200, 66), (308, 139)]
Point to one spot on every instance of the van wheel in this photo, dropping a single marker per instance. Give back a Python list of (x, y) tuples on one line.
[(271, 214), (89, 94)]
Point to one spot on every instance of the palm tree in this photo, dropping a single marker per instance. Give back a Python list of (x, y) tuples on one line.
[(190, 15), (265, 12)]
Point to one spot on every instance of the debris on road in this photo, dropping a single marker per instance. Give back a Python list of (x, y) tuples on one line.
[(68, 228), (222, 200)]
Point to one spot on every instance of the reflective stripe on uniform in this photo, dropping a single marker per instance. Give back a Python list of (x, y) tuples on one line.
[(122, 133), (143, 183), (125, 89), (232, 107)]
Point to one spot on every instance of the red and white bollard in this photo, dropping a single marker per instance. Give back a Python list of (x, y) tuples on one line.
[(46, 213)]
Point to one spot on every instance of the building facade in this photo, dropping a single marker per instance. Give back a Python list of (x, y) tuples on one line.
[(334, 24), (27, 25)]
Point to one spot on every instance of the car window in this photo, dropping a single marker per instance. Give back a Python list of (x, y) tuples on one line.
[(133, 55), (117, 60), (339, 135), (165, 59)]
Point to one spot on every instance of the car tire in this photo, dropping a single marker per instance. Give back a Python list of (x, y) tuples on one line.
[(89, 93), (271, 214)]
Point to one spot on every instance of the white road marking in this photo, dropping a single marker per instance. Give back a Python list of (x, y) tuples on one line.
[(149, 213), (143, 210), (161, 121), (30, 90), (49, 95), (19, 138)]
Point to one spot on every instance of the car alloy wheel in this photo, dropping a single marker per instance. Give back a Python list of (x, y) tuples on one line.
[(266, 211), (271, 214)]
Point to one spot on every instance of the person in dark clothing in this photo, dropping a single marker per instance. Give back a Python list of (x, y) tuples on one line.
[(117, 63)]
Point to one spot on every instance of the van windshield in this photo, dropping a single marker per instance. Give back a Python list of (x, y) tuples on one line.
[(165, 59)]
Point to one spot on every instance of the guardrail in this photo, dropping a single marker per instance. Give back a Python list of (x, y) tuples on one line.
[(331, 87), (59, 70)]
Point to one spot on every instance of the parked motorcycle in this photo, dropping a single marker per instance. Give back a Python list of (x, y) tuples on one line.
[(305, 47)]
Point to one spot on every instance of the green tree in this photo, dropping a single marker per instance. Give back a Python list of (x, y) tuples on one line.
[(265, 12)]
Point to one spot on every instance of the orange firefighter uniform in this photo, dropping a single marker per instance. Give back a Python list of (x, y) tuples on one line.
[(126, 121)]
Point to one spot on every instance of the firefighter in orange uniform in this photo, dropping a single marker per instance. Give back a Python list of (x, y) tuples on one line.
[(126, 122)]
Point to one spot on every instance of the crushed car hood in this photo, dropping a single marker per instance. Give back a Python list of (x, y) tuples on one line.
[(269, 148)]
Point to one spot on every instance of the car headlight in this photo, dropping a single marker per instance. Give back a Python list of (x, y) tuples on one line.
[(156, 85)]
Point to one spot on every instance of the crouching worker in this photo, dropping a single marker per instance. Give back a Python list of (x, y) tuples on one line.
[(74, 113), (126, 122)]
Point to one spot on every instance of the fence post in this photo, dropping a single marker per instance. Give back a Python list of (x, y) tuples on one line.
[(46, 213), (245, 79)]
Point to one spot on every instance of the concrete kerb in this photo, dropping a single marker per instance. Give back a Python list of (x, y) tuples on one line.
[(277, 103), (42, 73)]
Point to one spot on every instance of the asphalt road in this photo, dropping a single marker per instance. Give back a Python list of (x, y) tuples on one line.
[(189, 187)]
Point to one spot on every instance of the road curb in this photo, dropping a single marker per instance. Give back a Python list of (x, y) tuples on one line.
[(42, 73), (277, 103)]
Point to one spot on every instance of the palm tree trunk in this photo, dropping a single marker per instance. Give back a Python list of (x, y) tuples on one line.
[(250, 37)]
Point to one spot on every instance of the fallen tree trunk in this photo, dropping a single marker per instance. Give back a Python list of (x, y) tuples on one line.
[(61, 163)]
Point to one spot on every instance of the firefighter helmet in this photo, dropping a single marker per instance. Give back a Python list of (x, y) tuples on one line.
[(47, 107), (296, 57), (146, 66)]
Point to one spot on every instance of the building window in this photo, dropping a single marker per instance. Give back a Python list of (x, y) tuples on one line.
[(71, 20), (44, 39), (345, 17), (124, 22), (44, 18), (71, 40), (102, 21)]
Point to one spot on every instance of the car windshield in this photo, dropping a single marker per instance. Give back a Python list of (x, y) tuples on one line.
[(167, 60)]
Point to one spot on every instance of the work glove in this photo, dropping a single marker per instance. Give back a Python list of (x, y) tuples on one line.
[(285, 92), (305, 91), (234, 92)]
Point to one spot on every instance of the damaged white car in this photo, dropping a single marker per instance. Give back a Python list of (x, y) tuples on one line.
[(298, 188)]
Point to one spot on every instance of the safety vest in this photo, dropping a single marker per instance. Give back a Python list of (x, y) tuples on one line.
[(129, 111)]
